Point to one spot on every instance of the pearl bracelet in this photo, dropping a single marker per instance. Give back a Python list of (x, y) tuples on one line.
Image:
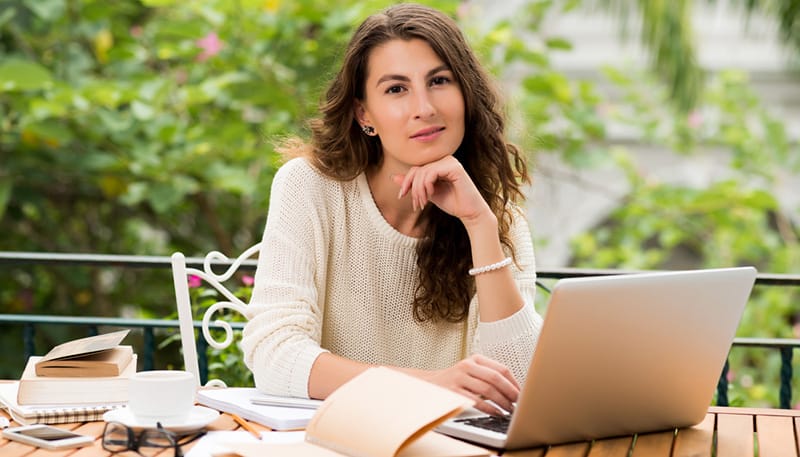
[(487, 268)]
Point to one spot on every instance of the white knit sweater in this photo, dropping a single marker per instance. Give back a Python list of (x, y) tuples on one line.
[(334, 276)]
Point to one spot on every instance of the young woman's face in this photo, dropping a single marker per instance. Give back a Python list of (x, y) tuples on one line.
[(413, 103)]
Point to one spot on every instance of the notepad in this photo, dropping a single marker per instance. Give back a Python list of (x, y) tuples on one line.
[(238, 400), (50, 414)]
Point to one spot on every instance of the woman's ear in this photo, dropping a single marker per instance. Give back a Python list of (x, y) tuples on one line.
[(360, 113)]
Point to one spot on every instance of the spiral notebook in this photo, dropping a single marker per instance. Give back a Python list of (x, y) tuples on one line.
[(49, 414)]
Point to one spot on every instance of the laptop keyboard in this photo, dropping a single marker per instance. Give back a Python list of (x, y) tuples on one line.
[(497, 424)]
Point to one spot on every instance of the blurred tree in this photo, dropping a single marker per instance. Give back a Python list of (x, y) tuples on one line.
[(665, 30)]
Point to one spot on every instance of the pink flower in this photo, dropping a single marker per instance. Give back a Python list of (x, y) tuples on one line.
[(195, 281), (210, 44), (463, 10), (136, 31), (694, 120), (248, 280), (181, 76)]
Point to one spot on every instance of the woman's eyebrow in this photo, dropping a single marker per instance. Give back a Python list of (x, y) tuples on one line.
[(404, 78)]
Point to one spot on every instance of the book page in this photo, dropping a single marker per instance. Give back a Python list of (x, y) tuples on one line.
[(86, 345), (380, 411)]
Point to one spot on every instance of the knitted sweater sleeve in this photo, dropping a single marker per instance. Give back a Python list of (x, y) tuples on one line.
[(282, 338), (512, 341)]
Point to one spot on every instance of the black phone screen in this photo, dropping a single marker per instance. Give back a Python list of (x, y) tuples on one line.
[(48, 433)]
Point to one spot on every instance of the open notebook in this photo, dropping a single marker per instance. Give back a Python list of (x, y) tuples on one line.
[(620, 355)]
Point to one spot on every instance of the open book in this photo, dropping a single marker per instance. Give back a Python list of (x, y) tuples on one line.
[(94, 356), (379, 413)]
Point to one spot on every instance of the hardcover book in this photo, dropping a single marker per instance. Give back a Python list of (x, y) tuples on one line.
[(42, 390)]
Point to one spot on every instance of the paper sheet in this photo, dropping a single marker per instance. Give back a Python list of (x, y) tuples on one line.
[(217, 443)]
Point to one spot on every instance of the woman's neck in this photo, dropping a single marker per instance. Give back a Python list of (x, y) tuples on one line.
[(397, 212)]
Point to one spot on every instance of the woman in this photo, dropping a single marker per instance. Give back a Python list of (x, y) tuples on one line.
[(394, 238)]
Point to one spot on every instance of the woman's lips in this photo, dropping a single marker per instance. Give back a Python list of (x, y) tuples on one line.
[(427, 134)]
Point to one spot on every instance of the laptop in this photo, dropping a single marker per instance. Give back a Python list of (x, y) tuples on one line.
[(619, 355)]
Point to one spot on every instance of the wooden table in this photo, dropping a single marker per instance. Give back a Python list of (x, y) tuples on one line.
[(726, 432), (16, 449)]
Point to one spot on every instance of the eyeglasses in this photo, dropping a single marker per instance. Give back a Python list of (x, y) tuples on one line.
[(118, 437)]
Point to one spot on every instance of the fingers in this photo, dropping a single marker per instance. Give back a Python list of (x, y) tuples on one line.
[(490, 384), (487, 382), (490, 381), (421, 183), (490, 408), (498, 367)]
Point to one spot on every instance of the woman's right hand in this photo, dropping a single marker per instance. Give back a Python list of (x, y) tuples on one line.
[(480, 378)]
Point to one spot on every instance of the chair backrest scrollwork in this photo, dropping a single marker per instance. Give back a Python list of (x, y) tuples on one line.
[(180, 277)]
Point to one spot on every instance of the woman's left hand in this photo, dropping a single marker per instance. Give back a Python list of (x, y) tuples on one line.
[(447, 185)]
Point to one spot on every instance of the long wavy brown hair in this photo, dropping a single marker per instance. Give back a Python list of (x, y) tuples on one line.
[(340, 149)]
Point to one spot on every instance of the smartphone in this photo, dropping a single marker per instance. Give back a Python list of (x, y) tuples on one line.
[(47, 436)]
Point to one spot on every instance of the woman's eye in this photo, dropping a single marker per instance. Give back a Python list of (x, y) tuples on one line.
[(438, 80), (394, 90)]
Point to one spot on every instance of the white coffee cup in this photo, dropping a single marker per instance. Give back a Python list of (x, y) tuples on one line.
[(165, 396)]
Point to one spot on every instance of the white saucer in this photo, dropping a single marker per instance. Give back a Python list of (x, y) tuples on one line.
[(199, 417)]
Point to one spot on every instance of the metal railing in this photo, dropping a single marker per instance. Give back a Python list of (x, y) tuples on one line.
[(785, 346)]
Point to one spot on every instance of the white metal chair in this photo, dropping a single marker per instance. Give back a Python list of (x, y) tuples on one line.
[(180, 277)]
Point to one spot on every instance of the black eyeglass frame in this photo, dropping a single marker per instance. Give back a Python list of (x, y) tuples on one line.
[(134, 439)]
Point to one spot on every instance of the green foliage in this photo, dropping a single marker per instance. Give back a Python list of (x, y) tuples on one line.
[(148, 127)]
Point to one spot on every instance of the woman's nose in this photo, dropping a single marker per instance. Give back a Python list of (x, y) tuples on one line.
[(424, 106)]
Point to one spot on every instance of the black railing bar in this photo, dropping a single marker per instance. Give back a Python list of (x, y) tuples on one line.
[(144, 261), (767, 342), (108, 321), (167, 323), (130, 261)]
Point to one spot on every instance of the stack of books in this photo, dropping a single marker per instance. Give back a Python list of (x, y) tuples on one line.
[(76, 381)]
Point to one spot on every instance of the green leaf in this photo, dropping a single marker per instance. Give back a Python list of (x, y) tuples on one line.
[(7, 15), (22, 75), (5, 195), (142, 111), (163, 196), (232, 179), (158, 3), (49, 10), (114, 121), (51, 131), (558, 43)]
